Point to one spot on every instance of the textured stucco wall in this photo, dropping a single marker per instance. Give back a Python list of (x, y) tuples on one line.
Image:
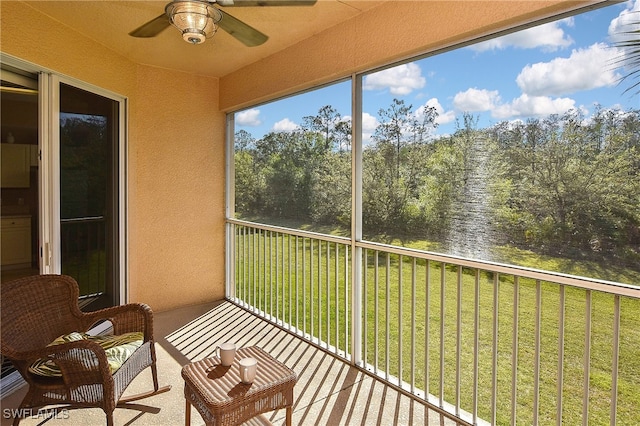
[(390, 32), (177, 190), (175, 187)]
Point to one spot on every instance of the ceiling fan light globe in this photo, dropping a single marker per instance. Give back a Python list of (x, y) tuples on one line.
[(195, 19)]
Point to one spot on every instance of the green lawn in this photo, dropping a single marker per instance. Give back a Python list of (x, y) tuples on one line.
[(283, 275)]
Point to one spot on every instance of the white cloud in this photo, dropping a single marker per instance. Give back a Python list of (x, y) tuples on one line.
[(400, 80), (476, 100), (549, 37), (250, 117), (284, 125), (585, 69), (626, 21), (619, 29), (369, 124), (533, 106)]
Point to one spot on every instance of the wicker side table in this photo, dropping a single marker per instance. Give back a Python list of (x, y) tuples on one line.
[(222, 399)]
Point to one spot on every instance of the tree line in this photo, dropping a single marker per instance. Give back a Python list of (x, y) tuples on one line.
[(564, 184)]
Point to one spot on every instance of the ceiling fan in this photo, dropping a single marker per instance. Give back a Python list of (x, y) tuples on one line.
[(198, 20)]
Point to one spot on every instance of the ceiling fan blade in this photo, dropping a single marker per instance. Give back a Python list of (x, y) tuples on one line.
[(227, 3), (244, 33), (153, 27)]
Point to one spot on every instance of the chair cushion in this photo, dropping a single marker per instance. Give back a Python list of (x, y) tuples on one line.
[(118, 349)]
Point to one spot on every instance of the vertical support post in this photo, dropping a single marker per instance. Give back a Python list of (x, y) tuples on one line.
[(230, 208), (356, 219)]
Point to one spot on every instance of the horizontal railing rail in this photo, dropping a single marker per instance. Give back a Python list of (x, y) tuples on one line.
[(479, 341)]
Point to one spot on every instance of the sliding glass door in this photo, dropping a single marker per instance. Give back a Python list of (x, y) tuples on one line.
[(63, 207), (88, 161)]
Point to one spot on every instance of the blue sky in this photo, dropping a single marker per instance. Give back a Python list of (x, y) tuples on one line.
[(562, 65)]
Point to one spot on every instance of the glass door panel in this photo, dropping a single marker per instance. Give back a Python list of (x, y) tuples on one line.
[(19, 181), (88, 193)]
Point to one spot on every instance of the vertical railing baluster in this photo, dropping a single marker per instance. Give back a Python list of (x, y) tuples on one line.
[(560, 386), (265, 281), (245, 268), (328, 284), (514, 350), (265, 277), (536, 361), (494, 350), (616, 357), (279, 278), (443, 280), (337, 302), (236, 281), (248, 233), (365, 309), (259, 270), (239, 270), (297, 285), (347, 302), (311, 289), (254, 259), (413, 326), (281, 304), (280, 282), (304, 287), (236, 235), (245, 265), (427, 314), (280, 290), (586, 366), (271, 274), (476, 345), (277, 281), (387, 316), (400, 313), (376, 316), (290, 282), (247, 260), (320, 313), (256, 268), (458, 338), (247, 295)]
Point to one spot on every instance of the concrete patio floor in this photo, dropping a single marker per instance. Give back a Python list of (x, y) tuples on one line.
[(328, 392)]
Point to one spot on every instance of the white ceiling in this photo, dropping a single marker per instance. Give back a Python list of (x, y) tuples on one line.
[(109, 22)]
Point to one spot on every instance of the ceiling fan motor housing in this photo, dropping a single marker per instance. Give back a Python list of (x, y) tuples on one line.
[(194, 36)]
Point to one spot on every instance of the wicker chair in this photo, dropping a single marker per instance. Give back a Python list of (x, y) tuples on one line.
[(37, 310)]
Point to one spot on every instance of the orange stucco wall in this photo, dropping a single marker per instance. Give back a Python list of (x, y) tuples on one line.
[(175, 218)]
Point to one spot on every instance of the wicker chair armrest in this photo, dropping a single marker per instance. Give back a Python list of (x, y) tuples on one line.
[(125, 319), (35, 354), (80, 362)]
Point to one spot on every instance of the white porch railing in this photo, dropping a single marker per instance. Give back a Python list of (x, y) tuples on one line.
[(480, 342)]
